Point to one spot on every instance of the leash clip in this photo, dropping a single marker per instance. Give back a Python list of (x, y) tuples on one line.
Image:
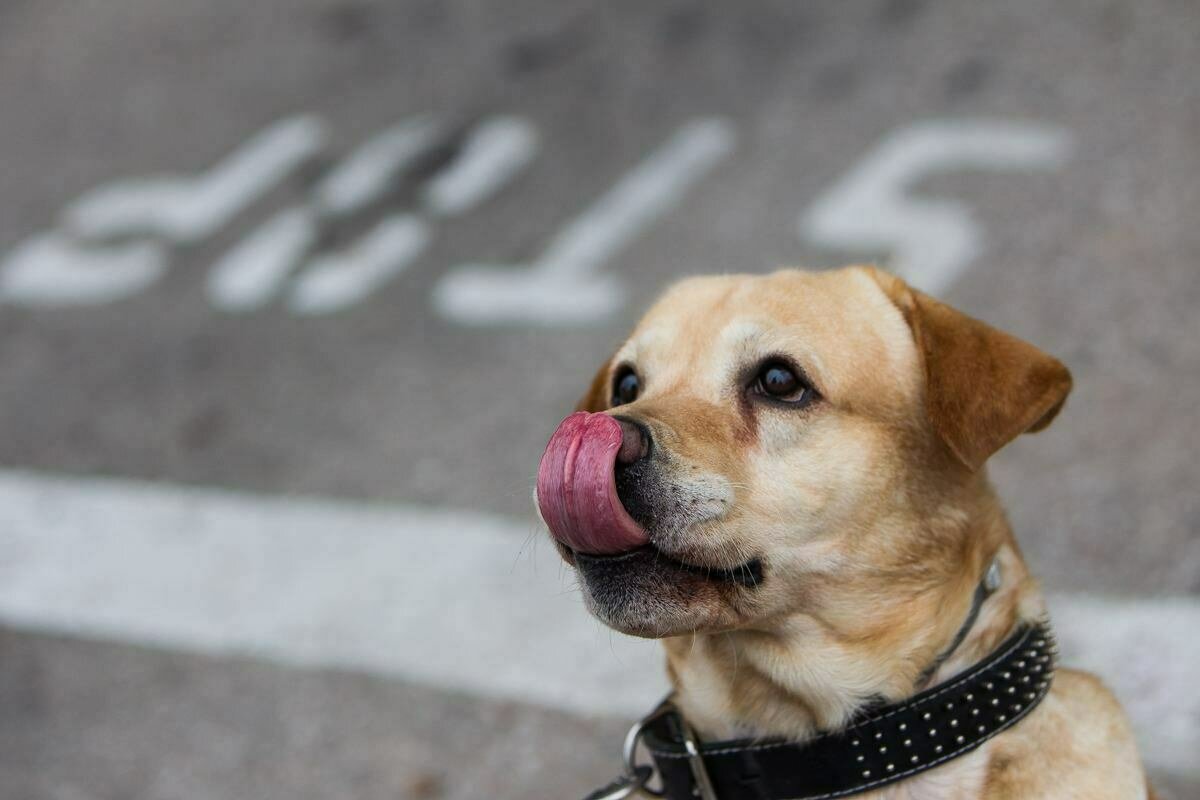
[(624, 786), (636, 776), (629, 749)]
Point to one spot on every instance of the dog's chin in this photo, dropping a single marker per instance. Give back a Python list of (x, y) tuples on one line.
[(645, 592)]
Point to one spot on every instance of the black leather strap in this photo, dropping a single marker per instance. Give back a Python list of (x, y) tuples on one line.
[(982, 592), (884, 745)]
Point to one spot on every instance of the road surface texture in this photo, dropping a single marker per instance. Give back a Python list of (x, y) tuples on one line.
[(280, 278)]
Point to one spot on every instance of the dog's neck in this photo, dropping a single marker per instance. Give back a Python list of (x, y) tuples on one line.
[(813, 670)]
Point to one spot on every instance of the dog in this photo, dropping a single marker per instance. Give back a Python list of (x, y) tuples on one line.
[(782, 477)]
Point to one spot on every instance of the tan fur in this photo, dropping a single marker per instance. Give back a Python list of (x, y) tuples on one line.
[(870, 510)]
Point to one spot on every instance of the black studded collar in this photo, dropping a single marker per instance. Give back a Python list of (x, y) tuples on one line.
[(884, 745)]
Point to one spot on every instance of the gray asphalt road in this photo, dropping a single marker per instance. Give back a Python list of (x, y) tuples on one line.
[(390, 398)]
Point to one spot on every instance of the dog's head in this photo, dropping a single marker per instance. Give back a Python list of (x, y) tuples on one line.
[(761, 444)]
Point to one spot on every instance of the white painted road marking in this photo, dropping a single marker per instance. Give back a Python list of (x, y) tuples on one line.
[(187, 209), (453, 598), (248, 276), (364, 177), (492, 155), (254, 271), (562, 286), (51, 270), (931, 241), (396, 590), (1143, 651), (338, 280)]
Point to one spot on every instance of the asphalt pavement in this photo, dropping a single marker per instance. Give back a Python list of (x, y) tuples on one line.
[(370, 253)]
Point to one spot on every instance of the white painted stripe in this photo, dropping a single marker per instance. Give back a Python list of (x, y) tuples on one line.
[(51, 270), (186, 208), (492, 155), (563, 285), (453, 598), (247, 277), (364, 177), (335, 281), (931, 242), (1148, 652)]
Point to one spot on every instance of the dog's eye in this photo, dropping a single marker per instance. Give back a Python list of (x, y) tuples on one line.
[(625, 387), (779, 381)]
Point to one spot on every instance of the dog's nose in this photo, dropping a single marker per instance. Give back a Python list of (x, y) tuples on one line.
[(635, 442)]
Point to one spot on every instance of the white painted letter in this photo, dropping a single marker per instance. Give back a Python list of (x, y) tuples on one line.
[(335, 281), (931, 241), (50, 270), (561, 286), (491, 156), (187, 209)]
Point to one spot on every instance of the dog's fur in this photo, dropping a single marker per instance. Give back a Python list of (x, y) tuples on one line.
[(868, 509)]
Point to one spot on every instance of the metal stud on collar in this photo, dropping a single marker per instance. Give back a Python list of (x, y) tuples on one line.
[(992, 578), (886, 744)]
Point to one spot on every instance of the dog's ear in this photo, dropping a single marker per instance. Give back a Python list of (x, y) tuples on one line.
[(983, 387), (598, 394)]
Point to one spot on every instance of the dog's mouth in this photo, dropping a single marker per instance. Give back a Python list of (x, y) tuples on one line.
[(645, 592), (748, 574)]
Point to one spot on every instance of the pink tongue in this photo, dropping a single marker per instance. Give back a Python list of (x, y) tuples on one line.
[(577, 491)]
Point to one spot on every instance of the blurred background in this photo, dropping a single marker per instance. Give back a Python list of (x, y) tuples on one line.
[(293, 292)]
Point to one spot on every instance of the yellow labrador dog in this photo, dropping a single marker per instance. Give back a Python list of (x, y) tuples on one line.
[(782, 478)]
